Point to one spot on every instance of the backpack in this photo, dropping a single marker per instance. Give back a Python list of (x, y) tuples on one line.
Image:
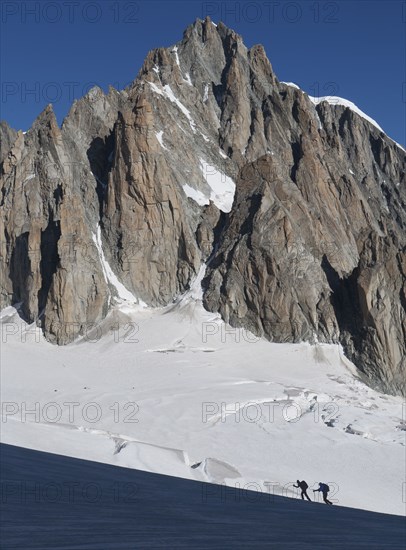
[(324, 487), (304, 486)]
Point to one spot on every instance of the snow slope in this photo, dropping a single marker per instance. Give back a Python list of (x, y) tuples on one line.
[(69, 503), (167, 389)]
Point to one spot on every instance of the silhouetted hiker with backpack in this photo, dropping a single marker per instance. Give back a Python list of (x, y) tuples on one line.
[(302, 485), (324, 489)]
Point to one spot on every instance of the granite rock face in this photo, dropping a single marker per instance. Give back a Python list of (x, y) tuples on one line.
[(299, 210), (50, 210)]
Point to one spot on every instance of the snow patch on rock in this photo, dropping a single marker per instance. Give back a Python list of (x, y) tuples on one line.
[(109, 275), (291, 84), (159, 136), (196, 195), (222, 186), (175, 50)]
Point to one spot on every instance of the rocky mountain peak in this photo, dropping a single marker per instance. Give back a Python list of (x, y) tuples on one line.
[(297, 206)]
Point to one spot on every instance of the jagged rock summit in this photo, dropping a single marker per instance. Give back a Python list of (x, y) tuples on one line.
[(298, 206)]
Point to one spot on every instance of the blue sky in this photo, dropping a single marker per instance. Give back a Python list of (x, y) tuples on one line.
[(53, 52)]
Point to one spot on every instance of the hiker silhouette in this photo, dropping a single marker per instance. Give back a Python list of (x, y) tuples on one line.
[(323, 489), (302, 485)]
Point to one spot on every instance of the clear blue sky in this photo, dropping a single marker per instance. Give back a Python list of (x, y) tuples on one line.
[(58, 49)]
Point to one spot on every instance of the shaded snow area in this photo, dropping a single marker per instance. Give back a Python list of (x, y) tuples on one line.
[(195, 293), (178, 392), (110, 277), (52, 501)]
